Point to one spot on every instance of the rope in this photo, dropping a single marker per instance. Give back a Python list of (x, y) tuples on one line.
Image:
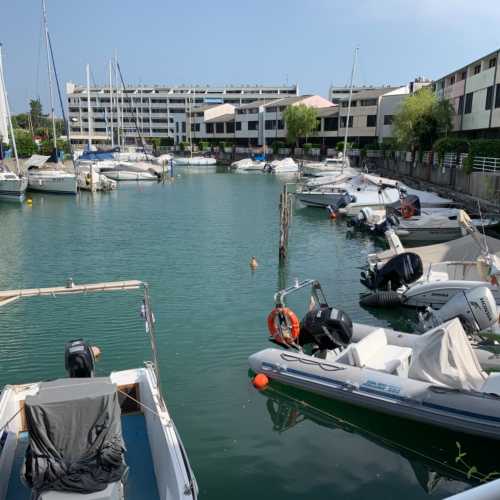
[(10, 420), (139, 403)]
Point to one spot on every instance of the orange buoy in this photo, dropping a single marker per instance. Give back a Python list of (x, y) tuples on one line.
[(260, 381), (253, 264), (333, 215)]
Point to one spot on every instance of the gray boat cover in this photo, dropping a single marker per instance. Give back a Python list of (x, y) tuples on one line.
[(461, 249), (75, 436), (443, 356)]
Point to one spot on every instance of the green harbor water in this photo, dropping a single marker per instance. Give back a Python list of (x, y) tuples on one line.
[(191, 240)]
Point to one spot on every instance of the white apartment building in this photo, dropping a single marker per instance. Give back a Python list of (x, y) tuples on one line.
[(152, 111), (253, 124), (474, 91)]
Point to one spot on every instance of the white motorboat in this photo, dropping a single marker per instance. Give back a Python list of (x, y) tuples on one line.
[(248, 165), (416, 224), (128, 171), (284, 166), (423, 278), (88, 436), (49, 178), (12, 184), (89, 178), (328, 167), (436, 378), (194, 161)]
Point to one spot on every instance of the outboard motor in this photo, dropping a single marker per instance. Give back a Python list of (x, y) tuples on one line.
[(327, 327), (402, 269), (475, 308), (79, 359)]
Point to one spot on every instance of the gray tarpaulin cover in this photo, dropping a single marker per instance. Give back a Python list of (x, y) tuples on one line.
[(444, 356), (75, 436)]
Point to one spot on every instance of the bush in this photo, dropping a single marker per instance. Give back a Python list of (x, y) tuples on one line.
[(307, 147), (340, 146), (450, 145), (204, 145), (26, 146), (276, 146), (184, 146), (166, 141)]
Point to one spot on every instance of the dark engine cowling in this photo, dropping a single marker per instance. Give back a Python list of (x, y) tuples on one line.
[(326, 327), (79, 359), (402, 269)]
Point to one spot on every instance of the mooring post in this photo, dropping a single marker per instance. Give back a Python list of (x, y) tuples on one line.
[(284, 209)]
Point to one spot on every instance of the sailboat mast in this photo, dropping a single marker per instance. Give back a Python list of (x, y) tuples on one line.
[(353, 72), (89, 108), (111, 104), (7, 111), (49, 69)]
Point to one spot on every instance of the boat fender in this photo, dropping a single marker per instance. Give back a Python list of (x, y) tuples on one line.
[(283, 325), (407, 211), (260, 381), (383, 298)]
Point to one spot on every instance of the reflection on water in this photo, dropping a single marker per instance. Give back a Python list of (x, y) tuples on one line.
[(433, 460)]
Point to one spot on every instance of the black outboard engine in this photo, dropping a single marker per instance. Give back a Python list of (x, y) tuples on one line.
[(327, 327), (402, 269), (389, 222), (79, 359)]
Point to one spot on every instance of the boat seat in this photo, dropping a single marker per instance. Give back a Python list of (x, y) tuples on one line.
[(112, 492), (374, 352), (492, 384)]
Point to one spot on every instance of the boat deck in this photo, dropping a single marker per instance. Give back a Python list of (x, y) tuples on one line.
[(141, 481)]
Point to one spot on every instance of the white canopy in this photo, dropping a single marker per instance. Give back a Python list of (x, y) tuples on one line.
[(36, 161), (443, 356)]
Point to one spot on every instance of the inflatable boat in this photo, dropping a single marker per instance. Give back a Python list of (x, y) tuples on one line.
[(436, 378)]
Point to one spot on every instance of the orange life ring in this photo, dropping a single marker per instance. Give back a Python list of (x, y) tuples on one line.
[(283, 325), (407, 211)]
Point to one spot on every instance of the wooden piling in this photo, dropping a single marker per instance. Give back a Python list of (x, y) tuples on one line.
[(285, 209)]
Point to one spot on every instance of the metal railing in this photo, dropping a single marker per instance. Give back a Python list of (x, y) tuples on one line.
[(486, 164)]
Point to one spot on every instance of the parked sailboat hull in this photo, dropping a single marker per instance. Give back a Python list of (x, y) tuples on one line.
[(52, 182), (13, 189)]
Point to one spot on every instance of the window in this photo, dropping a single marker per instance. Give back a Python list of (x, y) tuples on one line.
[(219, 128), (280, 125), (195, 127), (368, 102), (388, 119), (270, 124), (477, 68), (209, 127), (497, 96), (371, 120), (238, 126), (343, 121), (489, 97), (272, 109), (492, 62), (452, 80), (331, 123), (183, 127), (253, 125), (463, 75), (461, 105), (468, 102), (230, 127)]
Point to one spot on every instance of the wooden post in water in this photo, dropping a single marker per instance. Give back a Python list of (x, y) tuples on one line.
[(285, 215)]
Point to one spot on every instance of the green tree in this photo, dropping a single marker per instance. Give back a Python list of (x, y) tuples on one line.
[(25, 144), (422, 119), (300, 122), (36, 113)]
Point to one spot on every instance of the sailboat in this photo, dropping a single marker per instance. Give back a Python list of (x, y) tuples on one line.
[(50, 178), (195, 161), (12, 185)]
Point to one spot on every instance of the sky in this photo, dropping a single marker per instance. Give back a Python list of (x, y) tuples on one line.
[(308, 42)]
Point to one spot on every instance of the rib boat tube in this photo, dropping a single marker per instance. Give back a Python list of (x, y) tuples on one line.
[(436, 378)]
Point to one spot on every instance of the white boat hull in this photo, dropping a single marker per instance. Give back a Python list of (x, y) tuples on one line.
[(124, 175), (13, 189), (195, 161), (52, 182)]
